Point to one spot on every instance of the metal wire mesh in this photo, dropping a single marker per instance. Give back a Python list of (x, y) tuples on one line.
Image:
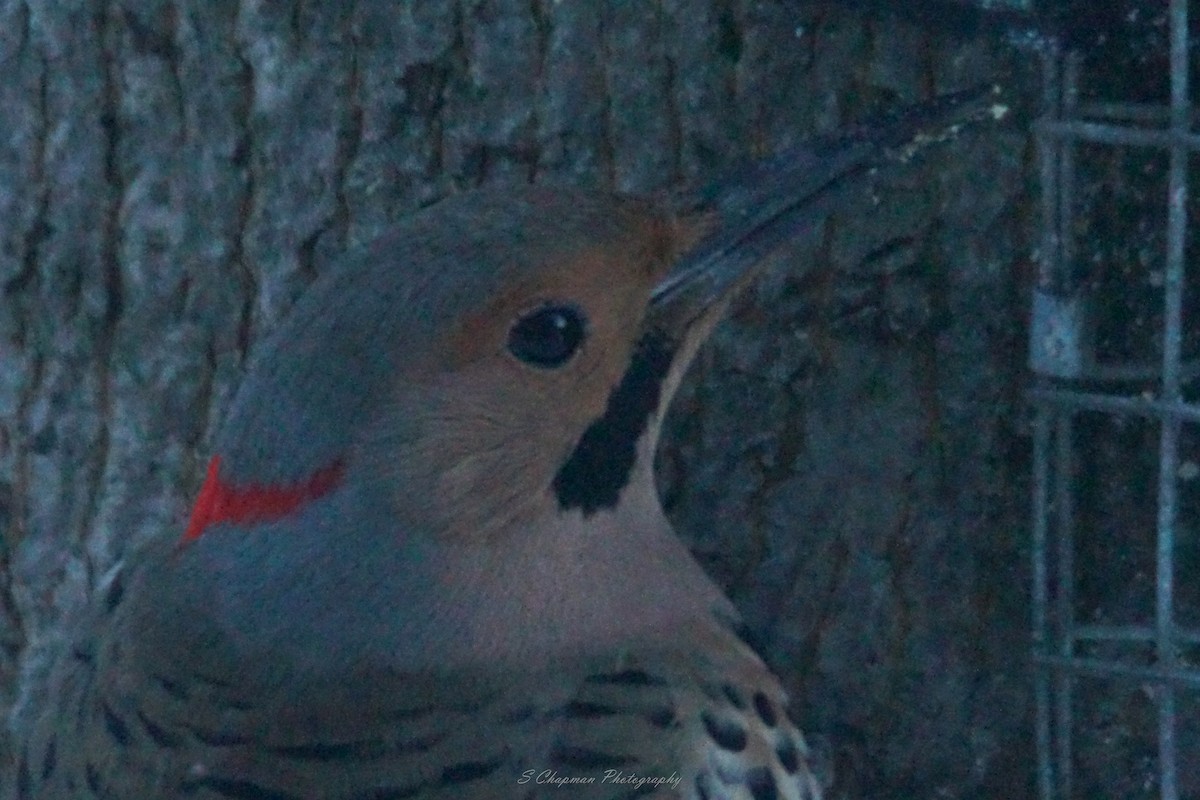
[(1146, 653)]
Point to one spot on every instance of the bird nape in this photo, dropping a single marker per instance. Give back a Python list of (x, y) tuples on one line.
[(428, 560)]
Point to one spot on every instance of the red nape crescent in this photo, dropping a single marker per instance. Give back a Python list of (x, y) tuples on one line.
[(253, 503)]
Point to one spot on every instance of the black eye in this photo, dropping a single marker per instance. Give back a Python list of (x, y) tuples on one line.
[(548, 336)]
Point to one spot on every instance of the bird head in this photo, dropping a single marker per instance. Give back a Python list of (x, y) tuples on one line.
[(462, 415), (495, 358)]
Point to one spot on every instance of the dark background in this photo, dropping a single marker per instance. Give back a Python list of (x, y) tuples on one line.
[(850, 455)]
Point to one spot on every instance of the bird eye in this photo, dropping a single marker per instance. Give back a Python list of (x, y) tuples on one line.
[(548, 336)]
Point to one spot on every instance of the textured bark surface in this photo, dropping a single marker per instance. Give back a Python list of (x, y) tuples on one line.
[(846, 457)]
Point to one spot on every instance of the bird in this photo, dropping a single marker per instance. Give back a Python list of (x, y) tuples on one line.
[(428, 558)]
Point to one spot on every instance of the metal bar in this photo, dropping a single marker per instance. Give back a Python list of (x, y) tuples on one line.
[(1100, 668), (1133, 405), (1041, 599), (1147, 113), (1131, 633), (1164, 611), (1064, 605), (1104, 133), (1131, 371), (1050, 278), (1064, 456), (1066, 172), (1050, 264)]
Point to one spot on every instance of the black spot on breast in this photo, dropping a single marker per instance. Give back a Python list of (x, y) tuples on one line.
[(50, 758), (23, 778), (518, 715), (235, 789), (662, 718), (599, 467), (83, 653), (339, 752), (391, 793), (728, 734), (159, 735), (116, 591), (92, 776), (172, 688), (211, 681), (419, 744), (217, 738), (115, 726), (573, 757), (789, 756), (469, 771), (766, 711), (762, 784), (733, 696), (578, 709), (627, 677)]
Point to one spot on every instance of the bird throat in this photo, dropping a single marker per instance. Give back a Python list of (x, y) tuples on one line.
[(601, 464)]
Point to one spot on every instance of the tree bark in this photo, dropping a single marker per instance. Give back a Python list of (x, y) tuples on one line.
[(174, 173)]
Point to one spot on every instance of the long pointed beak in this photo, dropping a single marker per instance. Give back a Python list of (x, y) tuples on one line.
[(758, 206)]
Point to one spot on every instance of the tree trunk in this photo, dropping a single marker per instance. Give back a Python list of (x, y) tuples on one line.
[(174, 173)]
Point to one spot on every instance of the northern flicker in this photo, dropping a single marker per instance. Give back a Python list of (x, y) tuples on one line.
[(428, 559)]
